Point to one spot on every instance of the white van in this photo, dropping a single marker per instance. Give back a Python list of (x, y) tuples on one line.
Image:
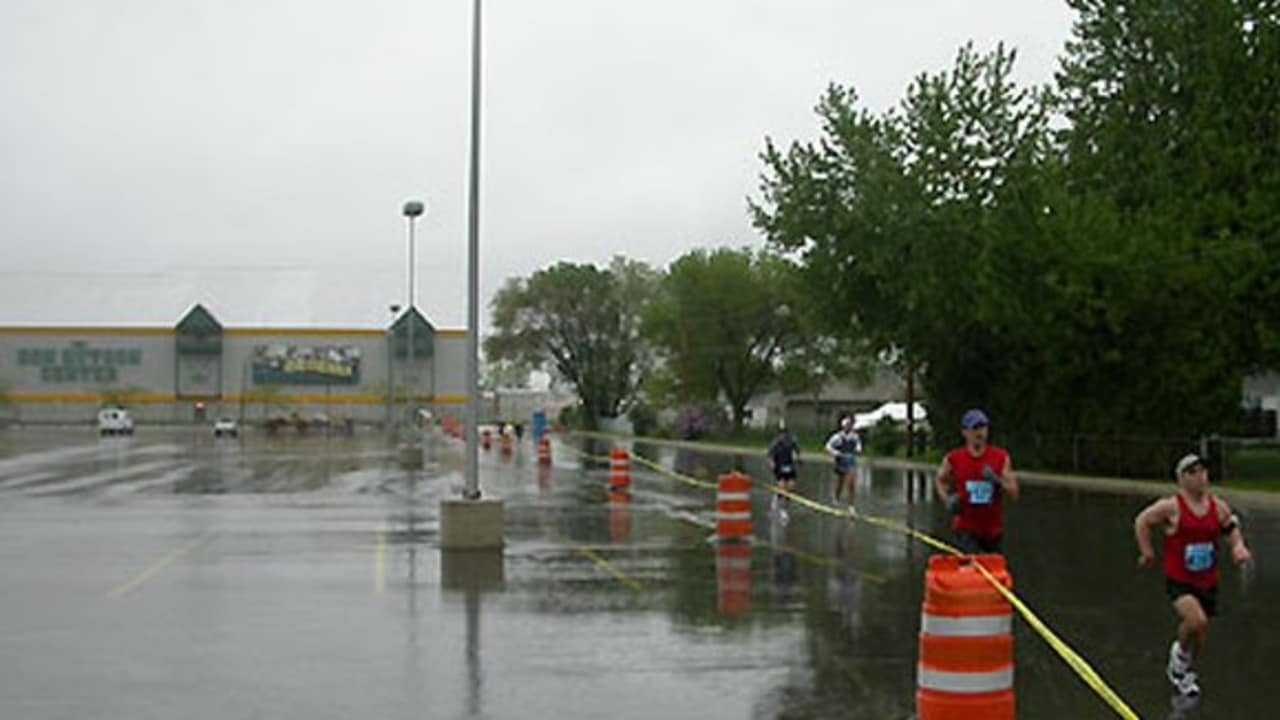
[(226, 426), (114, 421)]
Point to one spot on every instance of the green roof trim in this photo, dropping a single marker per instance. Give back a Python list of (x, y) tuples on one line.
[(199, 321), (424, 334), (198, 333)]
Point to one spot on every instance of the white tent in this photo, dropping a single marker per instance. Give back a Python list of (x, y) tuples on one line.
[(896, 411)]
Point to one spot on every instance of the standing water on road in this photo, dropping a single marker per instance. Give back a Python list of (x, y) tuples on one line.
[(293, 577)]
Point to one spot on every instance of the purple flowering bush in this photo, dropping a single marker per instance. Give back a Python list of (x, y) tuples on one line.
[(695, 421)]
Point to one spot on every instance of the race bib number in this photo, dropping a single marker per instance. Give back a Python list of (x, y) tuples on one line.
[(786, 469), (980, 492), (1198, 557)]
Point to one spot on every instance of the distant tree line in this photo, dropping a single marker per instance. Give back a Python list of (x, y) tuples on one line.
[(715, 327)]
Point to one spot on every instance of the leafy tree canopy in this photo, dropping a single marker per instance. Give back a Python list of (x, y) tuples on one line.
[(581, 324), (1112, 272), (722, 321)]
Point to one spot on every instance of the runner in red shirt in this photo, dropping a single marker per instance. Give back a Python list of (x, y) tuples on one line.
[(1191, 521), (973, 481)]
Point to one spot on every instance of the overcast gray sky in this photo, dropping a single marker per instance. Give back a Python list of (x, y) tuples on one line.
[(253, 155)]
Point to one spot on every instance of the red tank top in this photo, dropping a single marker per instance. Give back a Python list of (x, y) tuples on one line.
[(981, 506), (1190, 553)]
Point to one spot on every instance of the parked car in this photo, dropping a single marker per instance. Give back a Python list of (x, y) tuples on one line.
[(114, 421), (226, 426)]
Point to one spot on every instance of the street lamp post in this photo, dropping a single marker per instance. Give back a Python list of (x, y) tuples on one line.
[(413, 209), (471, 489), (471, 522)]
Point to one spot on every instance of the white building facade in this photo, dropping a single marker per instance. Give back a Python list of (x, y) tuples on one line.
[(198, 370)]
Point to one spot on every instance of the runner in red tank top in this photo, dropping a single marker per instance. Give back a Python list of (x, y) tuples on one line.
[(973, 481), (1192, 521)]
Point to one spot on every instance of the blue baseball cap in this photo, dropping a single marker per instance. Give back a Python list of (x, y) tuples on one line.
[(974, 418)]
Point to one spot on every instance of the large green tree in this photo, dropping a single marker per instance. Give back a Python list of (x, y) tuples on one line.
[(580, 323), (890, 216), (1174, 132), (1115, 274), (722, 322)]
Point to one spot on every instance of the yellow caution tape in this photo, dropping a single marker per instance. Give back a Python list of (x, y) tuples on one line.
[(675, 475), (1073, 659), (653, 466)]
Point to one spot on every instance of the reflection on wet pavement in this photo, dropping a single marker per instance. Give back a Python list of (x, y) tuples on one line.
[(300, 577)]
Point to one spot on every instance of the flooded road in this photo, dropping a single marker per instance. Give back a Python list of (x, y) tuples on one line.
[(170, 574)]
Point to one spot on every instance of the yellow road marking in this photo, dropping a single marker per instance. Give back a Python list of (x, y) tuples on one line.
[(610, 568), (154, 569)]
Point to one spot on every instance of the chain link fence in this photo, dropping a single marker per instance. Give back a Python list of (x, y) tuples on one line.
[(1254, 461)]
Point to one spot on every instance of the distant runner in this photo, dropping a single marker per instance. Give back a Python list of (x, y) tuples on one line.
[(973, 481), (844, 446), (784, 460), (1191, 522)]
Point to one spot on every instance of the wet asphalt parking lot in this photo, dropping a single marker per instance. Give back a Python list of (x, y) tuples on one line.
[(174, 575)]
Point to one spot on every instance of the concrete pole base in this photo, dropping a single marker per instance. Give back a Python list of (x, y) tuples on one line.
[(472, 570), (471, 524)]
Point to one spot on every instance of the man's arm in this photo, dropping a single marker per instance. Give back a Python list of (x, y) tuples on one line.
[(1235, 536), (1157, 514), (1009, 481), (942, 481)]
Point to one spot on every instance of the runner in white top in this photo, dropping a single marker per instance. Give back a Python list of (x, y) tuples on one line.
[(844, 446)]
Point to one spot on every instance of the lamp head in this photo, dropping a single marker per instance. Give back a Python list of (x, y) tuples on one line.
[(414, 208)]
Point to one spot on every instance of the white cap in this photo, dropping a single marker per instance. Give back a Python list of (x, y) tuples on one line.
[(1188, 461)]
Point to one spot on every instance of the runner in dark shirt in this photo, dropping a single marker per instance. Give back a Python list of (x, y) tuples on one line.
[(784, 460)]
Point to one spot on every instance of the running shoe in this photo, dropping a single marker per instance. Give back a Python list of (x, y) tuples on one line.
[(1179, 672), (1188, 686), (1179, 663)]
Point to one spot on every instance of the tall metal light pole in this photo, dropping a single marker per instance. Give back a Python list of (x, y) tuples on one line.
[(413, 209), (472, 488), (471, 522)]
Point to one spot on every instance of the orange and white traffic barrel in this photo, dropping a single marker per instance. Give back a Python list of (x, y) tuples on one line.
[(733, 578), (619, 516), (733, 507), (966, 642), (544, 451), (619, 469), (544, 480)]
